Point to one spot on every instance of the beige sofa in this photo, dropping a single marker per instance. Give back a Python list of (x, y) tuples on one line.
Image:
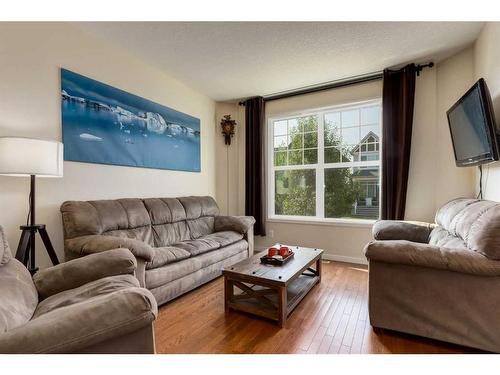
[(88, 305), (439, 280), (179, 243)]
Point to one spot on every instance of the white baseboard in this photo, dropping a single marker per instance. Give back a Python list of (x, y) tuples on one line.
[(344, 259), (336, 258)]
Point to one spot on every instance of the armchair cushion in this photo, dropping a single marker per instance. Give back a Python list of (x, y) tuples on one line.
[(78, 272), (91, 244), (18, 296), (414, 231), (240, 224), (5, 253), (425, 255), (117, 307)]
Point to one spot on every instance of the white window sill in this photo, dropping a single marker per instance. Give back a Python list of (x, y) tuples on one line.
[(366, 223)]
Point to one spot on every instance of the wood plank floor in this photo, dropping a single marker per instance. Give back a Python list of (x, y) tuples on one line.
[(333, 318)]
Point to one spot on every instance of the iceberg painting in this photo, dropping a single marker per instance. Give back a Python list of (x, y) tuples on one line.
[(105, 125)]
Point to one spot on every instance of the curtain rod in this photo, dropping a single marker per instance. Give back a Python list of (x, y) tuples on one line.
[(334, 84)]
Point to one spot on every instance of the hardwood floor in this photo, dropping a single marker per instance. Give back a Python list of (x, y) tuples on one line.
[(333, 318)]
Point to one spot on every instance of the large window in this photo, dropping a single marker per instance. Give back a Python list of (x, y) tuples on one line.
[(325, 164)]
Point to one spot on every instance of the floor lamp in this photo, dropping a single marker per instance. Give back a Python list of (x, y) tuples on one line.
[(33, 158)]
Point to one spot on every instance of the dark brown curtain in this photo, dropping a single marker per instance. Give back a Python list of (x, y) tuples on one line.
[(254, 163), (397, 102)]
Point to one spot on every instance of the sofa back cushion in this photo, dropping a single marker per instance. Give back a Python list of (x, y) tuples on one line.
[(18, 295), (120, 217), (200, 213), (476, 222), (157, 221), (168, 220)]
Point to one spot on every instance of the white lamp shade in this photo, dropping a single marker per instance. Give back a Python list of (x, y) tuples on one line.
[(28, 156)]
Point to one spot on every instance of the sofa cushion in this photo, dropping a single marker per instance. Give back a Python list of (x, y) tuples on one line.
[(166, 255), (18, 295), (442, 238), (198, 246), (196, 207), (476, 222), (225, 238), (170, 272), (165, 210), (97, 217), (201, 227), (168, 234)]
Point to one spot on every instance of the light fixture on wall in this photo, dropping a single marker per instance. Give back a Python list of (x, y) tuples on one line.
[(34, 158), (228, 127)]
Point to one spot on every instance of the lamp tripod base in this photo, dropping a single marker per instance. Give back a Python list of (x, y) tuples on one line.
[(26, 248)]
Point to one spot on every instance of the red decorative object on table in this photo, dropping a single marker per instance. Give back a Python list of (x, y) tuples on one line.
[(276, 256)]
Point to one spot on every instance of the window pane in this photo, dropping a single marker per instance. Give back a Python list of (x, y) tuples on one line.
[(352, 192), (347, 154), (295, 141), (310, 140), (332, 155), (375, 129), (370, 115), (350, 118), (311, 156), (280, 127), (280, 158), (294, 126), (295, 157), (332, 136), (280, 143), (332, 120), (340, 193), (309, 123), (368, 198), (350, 136), (295, 192)]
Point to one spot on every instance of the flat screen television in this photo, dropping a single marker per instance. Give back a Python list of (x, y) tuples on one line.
[(473, 128)]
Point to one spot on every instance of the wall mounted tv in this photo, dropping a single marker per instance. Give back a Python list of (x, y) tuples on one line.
[(473, 128)]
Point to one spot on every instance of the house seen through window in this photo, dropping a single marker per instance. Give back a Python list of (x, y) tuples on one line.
[(326, 164)]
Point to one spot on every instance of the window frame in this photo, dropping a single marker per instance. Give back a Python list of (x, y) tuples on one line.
[(320, 166)]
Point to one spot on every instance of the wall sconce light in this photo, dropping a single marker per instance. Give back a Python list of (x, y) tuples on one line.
[(228, 126)]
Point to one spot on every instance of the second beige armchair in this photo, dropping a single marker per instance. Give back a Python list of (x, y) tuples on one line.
[(88, 305)]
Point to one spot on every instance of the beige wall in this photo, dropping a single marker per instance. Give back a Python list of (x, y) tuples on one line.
[(454, 77), (230, 159), (30, 58), (433, 178), (487, 66)]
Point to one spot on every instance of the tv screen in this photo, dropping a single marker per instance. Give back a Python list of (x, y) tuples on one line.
[(473, 128)]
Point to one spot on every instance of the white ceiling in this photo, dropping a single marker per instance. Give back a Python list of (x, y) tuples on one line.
[(231, 60)]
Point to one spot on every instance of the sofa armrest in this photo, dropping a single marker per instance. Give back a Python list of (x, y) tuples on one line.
[(414, 231), (85, 245), (78, 272), (78, 326), (425, 255), (240, 224)]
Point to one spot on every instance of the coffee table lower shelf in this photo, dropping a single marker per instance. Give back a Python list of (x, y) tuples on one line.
[(267, 301)]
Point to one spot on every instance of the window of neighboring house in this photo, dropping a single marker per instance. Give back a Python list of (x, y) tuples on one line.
[(325, 164)]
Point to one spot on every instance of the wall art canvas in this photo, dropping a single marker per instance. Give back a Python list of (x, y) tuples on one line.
[(105, 125)]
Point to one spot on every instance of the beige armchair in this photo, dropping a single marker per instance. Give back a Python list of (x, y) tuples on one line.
[(439, 280), (88, 305)]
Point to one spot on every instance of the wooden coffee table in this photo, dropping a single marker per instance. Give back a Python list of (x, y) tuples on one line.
[(271, 291)]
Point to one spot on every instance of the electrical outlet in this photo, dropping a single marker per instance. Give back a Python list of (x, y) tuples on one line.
[(271, 233)]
